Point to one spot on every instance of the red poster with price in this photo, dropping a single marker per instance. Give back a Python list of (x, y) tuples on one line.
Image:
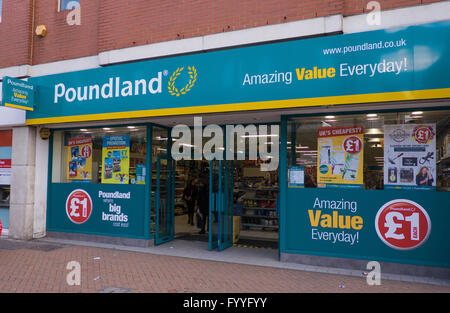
[(402, 224), (340, 157), (78, 206), (79, 158)]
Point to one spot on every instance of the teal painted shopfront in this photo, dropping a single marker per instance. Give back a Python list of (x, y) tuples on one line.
[(361, 121)]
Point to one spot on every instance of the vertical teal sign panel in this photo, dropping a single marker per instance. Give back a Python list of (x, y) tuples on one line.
[(18, 94)]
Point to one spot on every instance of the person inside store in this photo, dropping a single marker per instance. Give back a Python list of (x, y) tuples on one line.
[(424, 178), (203, 203), (190, 196)]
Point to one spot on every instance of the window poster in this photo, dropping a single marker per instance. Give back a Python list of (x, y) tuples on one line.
[(409, 156), (340, 157), (297, 176), (116, 161), (79, 159)]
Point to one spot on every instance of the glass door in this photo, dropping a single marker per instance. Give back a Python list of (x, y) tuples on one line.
[(220, 204), (164, 199), (213, 219), (226, 207)]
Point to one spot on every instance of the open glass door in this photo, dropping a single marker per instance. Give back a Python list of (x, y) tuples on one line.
[(213, 219), (226, 207), (220, 204), (164, 199)]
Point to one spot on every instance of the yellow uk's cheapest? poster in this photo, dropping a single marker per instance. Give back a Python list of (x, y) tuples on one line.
[(116, 159), (340, 157), (79, 156)]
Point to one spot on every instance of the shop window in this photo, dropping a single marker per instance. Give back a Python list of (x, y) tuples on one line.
[(403, 150), (68, 4), (101, 155)]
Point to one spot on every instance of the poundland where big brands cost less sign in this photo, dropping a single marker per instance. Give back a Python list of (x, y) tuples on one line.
[(386, 65)]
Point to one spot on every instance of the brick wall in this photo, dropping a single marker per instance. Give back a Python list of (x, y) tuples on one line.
[(15, 33), (115, 24), (64, 41)]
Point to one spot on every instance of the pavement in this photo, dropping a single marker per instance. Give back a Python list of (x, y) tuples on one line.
[(176, 267)]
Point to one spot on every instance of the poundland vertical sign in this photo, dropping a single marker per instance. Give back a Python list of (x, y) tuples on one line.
[(18, 94)]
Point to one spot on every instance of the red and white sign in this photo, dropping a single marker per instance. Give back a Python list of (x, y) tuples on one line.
[(79, 206), (352, 145), (402, 224), (86, 151), (5, 163), (423, 134)]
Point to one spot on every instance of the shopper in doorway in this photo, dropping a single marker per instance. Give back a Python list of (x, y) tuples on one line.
[(190, 196), (203, 204)]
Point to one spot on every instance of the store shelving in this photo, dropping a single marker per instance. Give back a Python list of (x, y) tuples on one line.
[(259, 204)]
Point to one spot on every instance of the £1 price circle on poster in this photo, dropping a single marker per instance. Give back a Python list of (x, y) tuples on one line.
[(78, 206), (352, 145), (86, 151), (402, 224)]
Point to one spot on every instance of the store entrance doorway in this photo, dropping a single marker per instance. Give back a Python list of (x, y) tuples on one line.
[(214, 193), (235, 202)]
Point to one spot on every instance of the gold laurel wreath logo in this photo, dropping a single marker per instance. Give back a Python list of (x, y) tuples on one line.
[(192, 71)]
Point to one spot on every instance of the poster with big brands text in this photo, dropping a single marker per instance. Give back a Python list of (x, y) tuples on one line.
[(409, 156), (116, 161), (79, 159), (340, 157)]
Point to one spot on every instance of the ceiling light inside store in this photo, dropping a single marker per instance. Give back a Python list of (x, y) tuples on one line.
[(330, 116), (257, 136), (373, 131), (371, 115), (131, 127), (106, 128), (417, 113), (83, 130)]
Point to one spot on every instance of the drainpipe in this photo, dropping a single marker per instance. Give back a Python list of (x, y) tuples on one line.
[(32, 31)]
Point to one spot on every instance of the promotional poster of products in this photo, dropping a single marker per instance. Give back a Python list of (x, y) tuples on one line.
[(80, 159), (340, 157), (409, 156), (116, 161)]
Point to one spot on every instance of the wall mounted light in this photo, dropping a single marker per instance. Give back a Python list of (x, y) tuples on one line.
[(41, 30)]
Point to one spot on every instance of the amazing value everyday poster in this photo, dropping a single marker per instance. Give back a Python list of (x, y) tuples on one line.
[(409, 156), (340, 157), (116, 160), (79, 156)]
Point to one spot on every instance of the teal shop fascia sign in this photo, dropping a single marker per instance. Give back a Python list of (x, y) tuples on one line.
[(385, 65)]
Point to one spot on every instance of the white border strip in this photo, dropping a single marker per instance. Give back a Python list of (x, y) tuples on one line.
[(309, 27)]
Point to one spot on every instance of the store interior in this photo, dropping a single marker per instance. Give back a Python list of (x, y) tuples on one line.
[(255, 203), (254, 198)]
